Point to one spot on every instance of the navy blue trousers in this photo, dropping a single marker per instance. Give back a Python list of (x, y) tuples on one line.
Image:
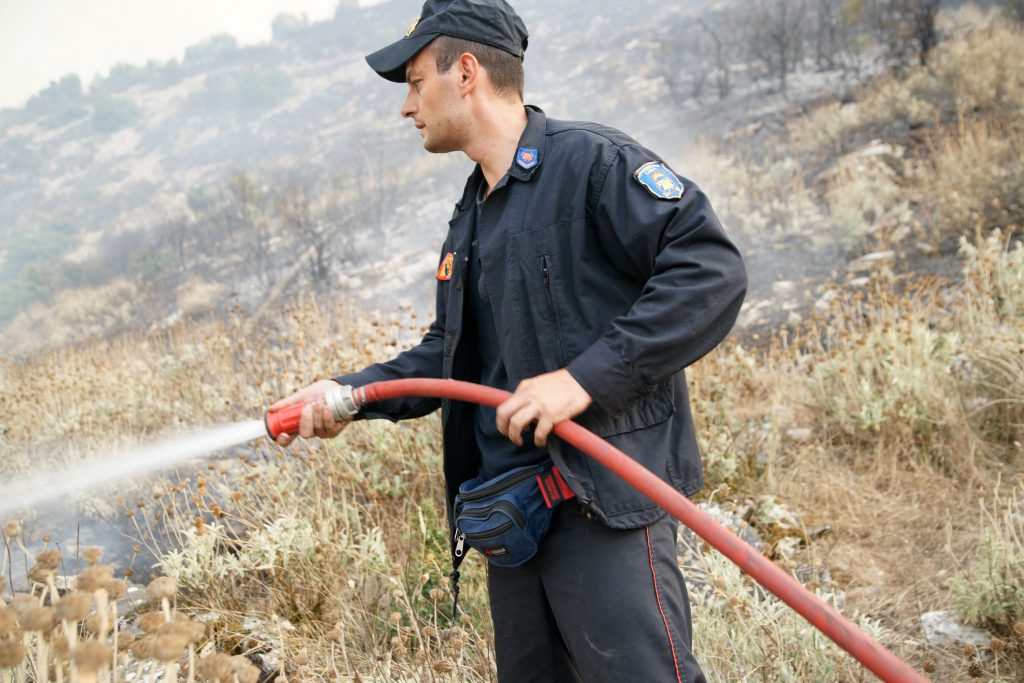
[(595, 604)]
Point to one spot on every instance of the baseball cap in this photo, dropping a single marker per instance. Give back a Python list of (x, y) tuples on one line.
[(492, 22)]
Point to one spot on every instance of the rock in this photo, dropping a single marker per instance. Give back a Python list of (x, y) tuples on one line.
[(869, 261), (942, 630), (731, 520), (799, 434), (781, 287)]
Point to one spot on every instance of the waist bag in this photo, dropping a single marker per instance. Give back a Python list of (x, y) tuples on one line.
[(505, 518)]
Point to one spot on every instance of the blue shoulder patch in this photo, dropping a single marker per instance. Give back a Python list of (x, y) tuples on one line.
[(659, 181), (527, 158)]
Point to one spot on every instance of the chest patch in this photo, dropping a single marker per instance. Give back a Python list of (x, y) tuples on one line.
[(526, 157), (444, 271), (659, 181)]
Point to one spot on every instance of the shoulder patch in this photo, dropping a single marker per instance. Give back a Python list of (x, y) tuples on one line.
[(659, 181), (527, 158), (444, 271)]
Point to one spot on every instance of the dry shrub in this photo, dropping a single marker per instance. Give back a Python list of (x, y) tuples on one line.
[(926, 376), (992, 373), (75, 314), (976, 73), (767, 201), (883, 384), (989, 590), (982, 71), (973, 180), (866, 194), (742, 633)]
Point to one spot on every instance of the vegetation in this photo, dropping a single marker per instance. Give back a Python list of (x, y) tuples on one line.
[(111, 114), (888, 416)]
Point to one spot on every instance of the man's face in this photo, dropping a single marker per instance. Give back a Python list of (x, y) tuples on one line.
[(433, 103)]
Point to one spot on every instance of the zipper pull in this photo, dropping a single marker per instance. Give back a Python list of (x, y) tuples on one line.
[(460, 543)]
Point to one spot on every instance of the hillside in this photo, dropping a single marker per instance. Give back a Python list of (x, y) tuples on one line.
[(862, 428), (179, 188)]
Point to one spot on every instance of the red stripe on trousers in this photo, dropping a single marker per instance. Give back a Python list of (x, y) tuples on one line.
[(657, 594)]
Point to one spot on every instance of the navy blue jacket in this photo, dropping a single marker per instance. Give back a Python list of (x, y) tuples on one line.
[(587, 270)]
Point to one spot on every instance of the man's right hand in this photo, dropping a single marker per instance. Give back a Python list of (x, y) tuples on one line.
[(317, 419)]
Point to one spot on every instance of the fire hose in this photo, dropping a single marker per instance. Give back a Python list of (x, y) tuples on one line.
[(346, 402)]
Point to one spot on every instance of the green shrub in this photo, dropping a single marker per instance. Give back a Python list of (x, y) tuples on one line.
[(111, 114), (989, 590), (211, 49), (262, 89)]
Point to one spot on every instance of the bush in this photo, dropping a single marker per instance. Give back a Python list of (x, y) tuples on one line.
[(743, 633), (69, 113), (210, 50), (262, 89), (56, 96), (989, 591), (973, 181), (111, 114)]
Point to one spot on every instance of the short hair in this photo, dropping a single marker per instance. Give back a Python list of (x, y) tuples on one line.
[(504, 68)]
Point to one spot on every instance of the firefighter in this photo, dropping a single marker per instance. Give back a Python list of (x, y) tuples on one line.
[(583, 274)]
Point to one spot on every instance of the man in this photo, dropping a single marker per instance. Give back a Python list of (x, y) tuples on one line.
[(582, 273)]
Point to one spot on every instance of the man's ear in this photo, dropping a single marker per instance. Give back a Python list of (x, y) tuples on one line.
[(469, 72)]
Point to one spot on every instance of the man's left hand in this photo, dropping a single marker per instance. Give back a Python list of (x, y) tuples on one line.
[(542, 402)]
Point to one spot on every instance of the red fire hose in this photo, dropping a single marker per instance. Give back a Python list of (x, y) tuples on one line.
[(872, 655)]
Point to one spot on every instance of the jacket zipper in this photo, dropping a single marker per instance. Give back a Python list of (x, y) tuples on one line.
[(494, 488), (508, 507), (545, 260)]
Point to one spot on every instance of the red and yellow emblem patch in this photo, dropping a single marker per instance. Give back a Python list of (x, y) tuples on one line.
[(444, 271)]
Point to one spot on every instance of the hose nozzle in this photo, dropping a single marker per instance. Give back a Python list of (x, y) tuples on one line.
[(341, 400)]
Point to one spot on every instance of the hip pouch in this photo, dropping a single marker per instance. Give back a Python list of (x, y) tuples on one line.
[(506, 518)]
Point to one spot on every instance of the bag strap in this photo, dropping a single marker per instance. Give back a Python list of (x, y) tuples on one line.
[(553, 488)]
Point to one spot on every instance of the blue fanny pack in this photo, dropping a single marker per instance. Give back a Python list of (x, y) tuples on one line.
[(506, 518)]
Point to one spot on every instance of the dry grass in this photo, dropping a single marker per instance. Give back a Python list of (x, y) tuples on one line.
[(886, 418)]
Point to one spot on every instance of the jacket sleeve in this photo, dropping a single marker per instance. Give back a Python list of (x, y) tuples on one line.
[(423, 360), (694, 278)]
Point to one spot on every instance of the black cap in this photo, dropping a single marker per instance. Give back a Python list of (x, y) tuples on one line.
[(492, 22)]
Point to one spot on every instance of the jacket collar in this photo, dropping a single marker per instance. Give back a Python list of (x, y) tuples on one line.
[(533, 138), (532, 141)]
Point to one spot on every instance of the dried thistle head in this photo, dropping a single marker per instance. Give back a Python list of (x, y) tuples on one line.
[(142, 649), (443, 666), (125, 641), (215, 668), (116, 589), (22, 603), (12, 529), (244, 670), (8, 622), (90, 656), (49, 559), (163, 588), (74, 606), (61, 647), (98, 626), (12, 653), (167, 648), (95, 578), (39, 620), (92, 556), (40, 574), (150, 622)]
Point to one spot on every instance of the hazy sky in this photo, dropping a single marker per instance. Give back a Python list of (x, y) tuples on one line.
[(42, 40)]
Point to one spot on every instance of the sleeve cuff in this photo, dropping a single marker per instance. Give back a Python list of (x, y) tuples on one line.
[(606, 376)]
